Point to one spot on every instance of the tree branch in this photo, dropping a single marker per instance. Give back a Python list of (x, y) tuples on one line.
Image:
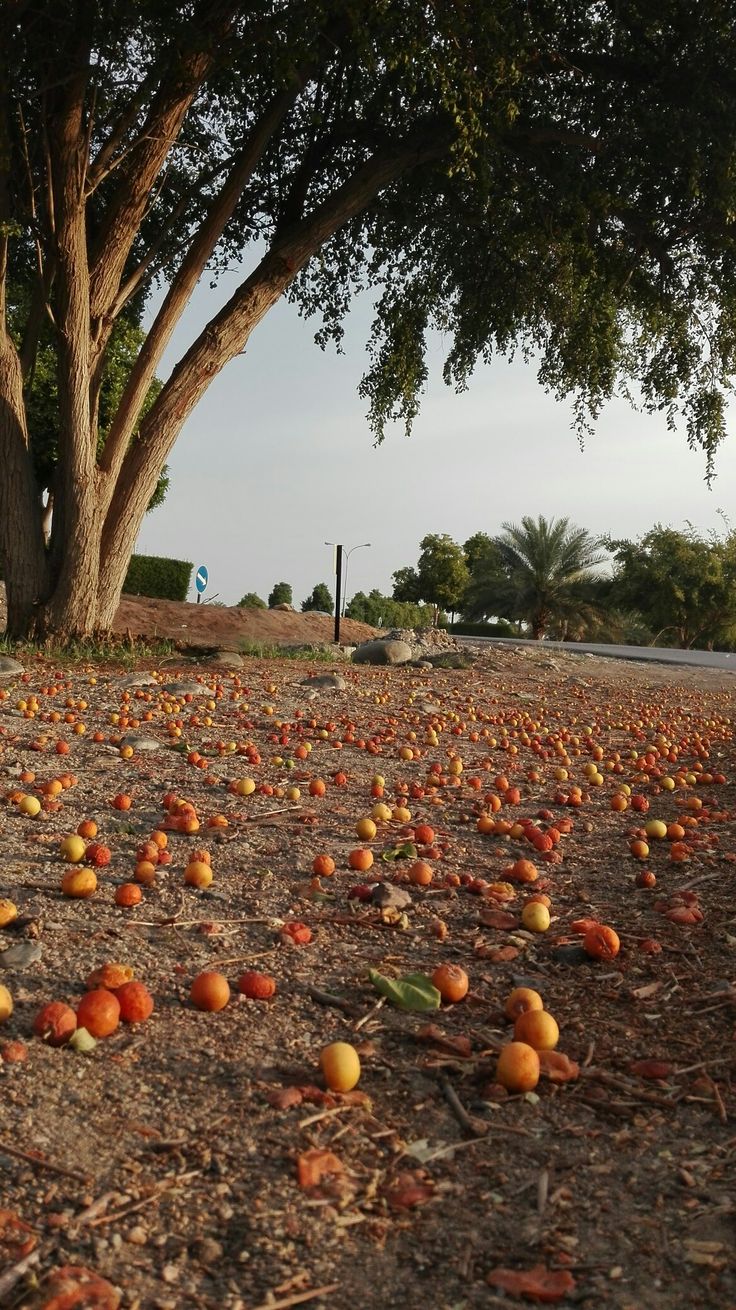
[(226, 334)]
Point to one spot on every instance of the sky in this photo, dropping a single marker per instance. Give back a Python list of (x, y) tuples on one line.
[(278, 458)]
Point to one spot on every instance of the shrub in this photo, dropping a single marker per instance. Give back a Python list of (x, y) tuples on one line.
[(500, 629), (251, 601), (153, 575)]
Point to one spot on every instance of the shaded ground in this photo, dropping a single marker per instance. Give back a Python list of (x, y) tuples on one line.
[(163, 1160)]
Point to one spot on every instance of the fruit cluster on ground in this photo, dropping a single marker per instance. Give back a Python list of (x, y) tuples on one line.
[(428, 975)]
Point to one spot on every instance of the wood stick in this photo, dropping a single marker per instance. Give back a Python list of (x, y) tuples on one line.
[(166, 1186), (298, 1298), (42, 1163), (335, 1002), (471, 1125), (14, 1274)]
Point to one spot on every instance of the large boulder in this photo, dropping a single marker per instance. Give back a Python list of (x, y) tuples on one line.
[(382, 652), (10, 668)]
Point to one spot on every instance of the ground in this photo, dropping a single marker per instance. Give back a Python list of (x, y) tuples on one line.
[(171, 1159)]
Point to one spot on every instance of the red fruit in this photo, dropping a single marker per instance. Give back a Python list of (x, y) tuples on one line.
[(14, 1052), (257, 986), (55, 1023), (299, 934), (99, 1012), (136, 1002), (97, 855)]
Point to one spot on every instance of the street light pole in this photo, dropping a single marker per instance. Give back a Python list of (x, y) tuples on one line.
[(348, 553), (338, 580)]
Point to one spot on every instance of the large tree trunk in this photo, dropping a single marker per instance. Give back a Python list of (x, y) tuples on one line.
[(22, 552)]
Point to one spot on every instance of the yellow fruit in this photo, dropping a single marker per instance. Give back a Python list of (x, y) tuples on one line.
[(29, 805), (198, 874), (365, 829), (656, 828), (518, 1067), (340, 1066), (79, 883), (245, 787), (535, 917), (6, 1004), (72, 849), (538, 1029), (8, 911), (381, 812)]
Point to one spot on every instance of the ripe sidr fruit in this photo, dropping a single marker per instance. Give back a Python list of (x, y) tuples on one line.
[(535, 917), (341, 1066), (257, 986), (451, 982), (518, 1067), (6, 1004), (72, 849), (538, 1029), (99, 1012), (79, 883), (520, 1000), (55, 1023), (210, 991), (601, 942), (135, 1001)]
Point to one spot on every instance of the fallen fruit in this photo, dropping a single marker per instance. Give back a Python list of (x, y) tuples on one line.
[(535, 917), (451, 982), (601, 942), (72, 849), (210, 991), (55, 1023), (538, 1029), (79, 883), (518, 1067), (99, 1012), (136, 1002), (256, 986), (8, 911), (341, 1066), (520, 1000), (6, 1004)]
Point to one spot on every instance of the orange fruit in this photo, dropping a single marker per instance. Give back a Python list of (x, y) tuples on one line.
[(210, 991), (257, 986), (360, 859), (522, 871), (109, 976), (136, 1002), (198, 874), (520, 1001), (99, 1012), (451, 982), (538, 1029), (601, 942), (518, 1067), (420, 873), (323, 866), (341, 1066), (55, 1023), (128, 894)]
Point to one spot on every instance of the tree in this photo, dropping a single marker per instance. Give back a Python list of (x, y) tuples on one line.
[(477, 547), (250, 601), (578, 150), (682, 583), (281, 595), (320, 599), (544, 574), (442, 574), (406, 585), (386, 612)]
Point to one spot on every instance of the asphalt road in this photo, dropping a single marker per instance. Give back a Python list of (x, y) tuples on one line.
[(705, 659)]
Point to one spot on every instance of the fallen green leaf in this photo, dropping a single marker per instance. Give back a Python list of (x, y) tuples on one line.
[(415, 991)]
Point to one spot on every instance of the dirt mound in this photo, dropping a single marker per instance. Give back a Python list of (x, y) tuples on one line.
[(210, 626)]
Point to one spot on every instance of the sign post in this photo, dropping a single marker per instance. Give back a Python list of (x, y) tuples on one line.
[(338, 584), (201, 581)]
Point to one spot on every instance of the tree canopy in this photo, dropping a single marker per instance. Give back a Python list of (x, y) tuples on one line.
[(251, 601), (556, 179), (281, 594), (320, 598), (441, 576)]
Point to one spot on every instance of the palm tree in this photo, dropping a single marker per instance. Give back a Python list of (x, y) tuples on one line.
[(542, 573)]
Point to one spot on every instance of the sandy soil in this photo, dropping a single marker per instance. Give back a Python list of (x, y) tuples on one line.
[(171, 1159)]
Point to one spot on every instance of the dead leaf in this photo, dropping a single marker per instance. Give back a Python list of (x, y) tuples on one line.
[(651, 1068), (313, 1166), (355, 1097), (459, 1046), (284, 1097), (536, 1284), (408, 1191), (75, 1288), (649, 989), (685, 915), (496, 954), (497, 919), (17, 1238), (557, 1067)]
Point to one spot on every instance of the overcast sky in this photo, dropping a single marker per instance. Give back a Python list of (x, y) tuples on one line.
[(278, 458)]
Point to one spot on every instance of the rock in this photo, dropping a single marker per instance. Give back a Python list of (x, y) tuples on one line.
[(187, 689), (228, 659), (387, 896), (570, 955), (383, 651), (207, 1250), (141, 743), (324, 682), (10, 668), (138, 680), (284, 606), (20, 954)]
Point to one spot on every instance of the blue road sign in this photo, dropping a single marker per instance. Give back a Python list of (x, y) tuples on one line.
[(201, 579)]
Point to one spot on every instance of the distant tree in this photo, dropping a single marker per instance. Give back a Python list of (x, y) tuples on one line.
[(682, 583), (281, 595), (476, 548), (385, 612), (250, 601), (441, 576), (406, 585), (320, 599), (543, 574)]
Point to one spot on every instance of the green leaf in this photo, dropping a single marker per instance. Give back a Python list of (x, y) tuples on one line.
[(414, 991), (404, 851)]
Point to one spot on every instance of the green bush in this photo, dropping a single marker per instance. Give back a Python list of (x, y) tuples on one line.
[(500, 629), (152, 575)]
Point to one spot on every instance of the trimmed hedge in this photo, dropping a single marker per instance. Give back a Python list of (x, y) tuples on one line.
[(153, 575), (501, 629)]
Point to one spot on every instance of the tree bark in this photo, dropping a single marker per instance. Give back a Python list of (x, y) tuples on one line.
[(22, 552)]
